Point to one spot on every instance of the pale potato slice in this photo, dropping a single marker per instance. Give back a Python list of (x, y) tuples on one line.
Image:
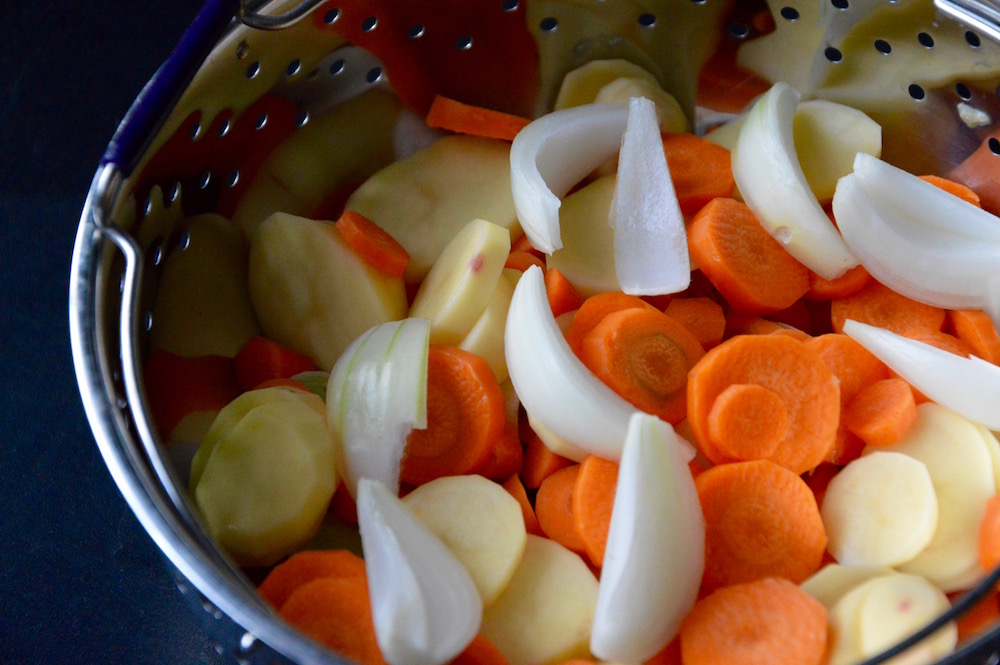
[(459, 286), (312, 293), (544, 615), (845, 628), (895, 607), (669, 113), (880, 510), (479, 522), (423, 201), (993, 446), (582, 85), (827, 137), (486, 338), (833, 581), (556, 443), (587, 257), (202, 304)]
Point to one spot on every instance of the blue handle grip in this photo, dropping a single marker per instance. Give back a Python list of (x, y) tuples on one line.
[(150, 109)]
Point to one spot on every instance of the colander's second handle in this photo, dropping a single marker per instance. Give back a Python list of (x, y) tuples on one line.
[(984, 15)]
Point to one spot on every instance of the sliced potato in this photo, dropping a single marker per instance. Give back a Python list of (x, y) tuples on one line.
[(587, 257), (486, 338)]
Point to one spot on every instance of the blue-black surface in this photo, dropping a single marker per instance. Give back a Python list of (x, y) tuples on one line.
[(80, 581)]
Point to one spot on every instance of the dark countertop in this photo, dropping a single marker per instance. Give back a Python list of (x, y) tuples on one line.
[(80, 580)]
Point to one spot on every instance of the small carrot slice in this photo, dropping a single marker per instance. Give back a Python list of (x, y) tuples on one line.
[(644, 356), (593, 499), (563, 296), (539, 461), (751, 270), (700, 170), (765, 622), (306, 566), (456, 116), (507, 457), (847, 284), (702, 316), (515, 488), (976, 329), (521, 260), (854, 366), (747, 421), (784, 366), (878, 305), (761, 520), (261, 359), (954, 188), (554, 508), (465, 417), (989, 534), (595, 308), (373, 244), (882, 413)]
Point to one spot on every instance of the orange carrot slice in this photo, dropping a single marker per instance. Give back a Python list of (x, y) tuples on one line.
[(702, 316), (554, 508), (700, 170), (539, 461), (306, 566), (954, 188), (521, 260), (593, 499), (515, 488), (882, 413), (976, 329), (878, 305), (261, 359), (506, 458), (563, 296), (847, 284), (456, 116), (373, 244), (594, 309), (747, 421), (989, 534)]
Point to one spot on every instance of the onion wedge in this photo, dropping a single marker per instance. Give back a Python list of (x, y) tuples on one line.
[(968, 386), (770, 179), (655, 554), (376, 395), (552, 154), (651, 254), (425, 605)]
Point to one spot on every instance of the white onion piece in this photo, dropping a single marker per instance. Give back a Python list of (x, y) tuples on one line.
[(968, 386), (651, 254), (425, 605), (376, 395), (554, 386), (655, 553), (552, 154), (770, 179)]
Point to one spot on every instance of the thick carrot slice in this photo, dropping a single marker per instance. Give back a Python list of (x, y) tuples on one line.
[(506, 458), (521, 260), (766, 622), (593, 498), (882, 413), (336, 612), (761, 520), (954, 188), (554, 508), (700, 170), (539, 461), (594, 309), (515, 488), (480, 652), (465, 417), (523, 244), (878, 305), (751, 270), (989, 534), (563, 296), (847, 284), (784, 366), (261, 359), (747, 421), (644, 356), (976, 329), (702, 316), (306, 566), (373, 244), (854, 366), (177, 386), (455, 116)]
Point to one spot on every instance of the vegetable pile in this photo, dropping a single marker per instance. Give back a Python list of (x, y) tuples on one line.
[(590, 387)]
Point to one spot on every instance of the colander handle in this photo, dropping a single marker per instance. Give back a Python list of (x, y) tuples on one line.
[(984, 15)]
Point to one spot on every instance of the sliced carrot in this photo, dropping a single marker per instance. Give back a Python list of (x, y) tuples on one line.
[(644, 356), (306, 566), (941, 340), (261, 359), (373, 244), (523, 244), (954, 188), (563, 296), (980, 171), (976, 329), (880, 306), (337, 613), (989, 534), (700, 170), (702, 316), (764, 622), (979, 618), (554, 508), (882, 413), (480, 651), (520, 260), (854, 366), (747, 421), (847, 284), (456, 116), (539, 461), (595, 308), (465, 417), (506, 458), (784, 366), (177, 386), (515, 488), (761, 520), (751, 270), (593, 498)]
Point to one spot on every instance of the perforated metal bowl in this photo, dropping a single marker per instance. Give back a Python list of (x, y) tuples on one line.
[(214, 83)]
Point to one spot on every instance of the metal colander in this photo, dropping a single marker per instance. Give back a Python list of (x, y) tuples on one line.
[(245, 75)]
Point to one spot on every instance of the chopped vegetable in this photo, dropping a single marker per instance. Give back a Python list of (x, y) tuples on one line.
[(373, 244), (455, 116)]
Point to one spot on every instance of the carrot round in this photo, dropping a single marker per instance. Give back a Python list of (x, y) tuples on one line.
[(644, 356), (593, 499), (989, 534), (306, 566), (786, 367), (761, 520), (976, 329), (954, 188), (456, 116), (854, 366), (336, 612), (563, 296), (506, 459), (261, 359), (847, 284), (882, 413), (980, 171), (373, 244), (747, 421), (595, 308), (539, 461), (465, 417), (515, 488), (521, 260), (702, 316), (554, 508), (700, 170), (751, 270), (765, 622), (880, 306)]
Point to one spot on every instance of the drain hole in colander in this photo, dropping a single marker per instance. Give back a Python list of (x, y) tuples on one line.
[(373, 75), (994, 145), (925, 40), (963, 91), (739, 30), (302, 118), (253, 70), (548, 24), (416, 32), (331, 16), (463, 43), (205, 179), (337, 67), (293, 68), (509, 5), (840, 4), (224, 127), (883, 46), (647, 20), (261, 121), (234, 177), (790, 13), (174, 192), (195, 131), (916, 92), (833, 54), (184, 241), (972, 38), (369, 24)]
